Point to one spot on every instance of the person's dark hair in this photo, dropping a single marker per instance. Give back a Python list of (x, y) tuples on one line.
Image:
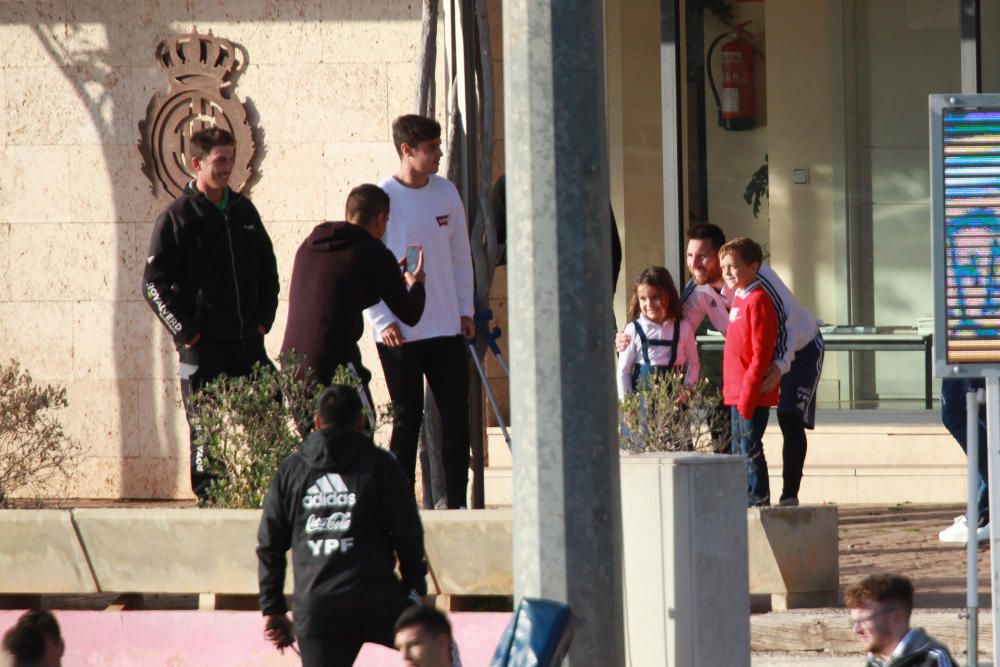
[(411, 129), (880, 588), (338, 406), (44, 620), (203, 141), (706, 231), (746, 249), (430, 619), (366, 202), (25, 643), (660, 278)]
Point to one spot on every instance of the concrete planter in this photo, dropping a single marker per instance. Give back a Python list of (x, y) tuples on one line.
[(686, 577)]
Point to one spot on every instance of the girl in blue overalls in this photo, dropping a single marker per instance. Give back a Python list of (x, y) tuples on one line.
[(661, 340)]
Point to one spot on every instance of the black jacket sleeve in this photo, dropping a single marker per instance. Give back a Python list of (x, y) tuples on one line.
[(401, 521), (267, 278), (407, 305), (162, 280), (274, 537)]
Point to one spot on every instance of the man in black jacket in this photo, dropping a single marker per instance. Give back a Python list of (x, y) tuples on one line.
[(341, 269), (212, 279), (344, 508)]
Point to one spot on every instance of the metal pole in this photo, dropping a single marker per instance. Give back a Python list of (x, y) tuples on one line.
[(993, 449), (567, 492), (972, 400)]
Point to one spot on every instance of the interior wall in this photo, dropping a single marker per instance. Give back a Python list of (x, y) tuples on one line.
[(732, 157)]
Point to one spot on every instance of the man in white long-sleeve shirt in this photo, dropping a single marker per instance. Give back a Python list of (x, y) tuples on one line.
[(798, 355), (427, 212)]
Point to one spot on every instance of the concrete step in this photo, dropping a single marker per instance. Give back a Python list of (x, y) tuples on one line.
[(827, 631), (840, 484), (854, 456)]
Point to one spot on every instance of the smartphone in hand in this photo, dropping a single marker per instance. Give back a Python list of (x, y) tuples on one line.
[(412, 258)]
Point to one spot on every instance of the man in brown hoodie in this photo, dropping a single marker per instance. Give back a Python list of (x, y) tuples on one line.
[(341, 269)]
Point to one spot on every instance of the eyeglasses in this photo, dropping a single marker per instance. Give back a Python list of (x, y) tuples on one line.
[(870, 617)]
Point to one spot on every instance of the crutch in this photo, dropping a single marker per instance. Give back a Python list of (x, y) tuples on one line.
[(359, 387), (489, 393), (482, 319)]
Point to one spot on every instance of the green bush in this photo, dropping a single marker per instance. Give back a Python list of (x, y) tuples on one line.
[(251, 424), (33, 446), (663, 415)]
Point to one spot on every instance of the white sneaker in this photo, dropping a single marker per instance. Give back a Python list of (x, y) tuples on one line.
[(958, 532)]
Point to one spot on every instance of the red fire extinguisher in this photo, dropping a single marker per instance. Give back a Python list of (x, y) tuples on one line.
[(736, 107)]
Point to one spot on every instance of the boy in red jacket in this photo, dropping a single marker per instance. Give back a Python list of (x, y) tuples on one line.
[(750, 341)]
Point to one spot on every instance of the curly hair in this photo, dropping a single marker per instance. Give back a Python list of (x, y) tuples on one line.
[(880, 588)]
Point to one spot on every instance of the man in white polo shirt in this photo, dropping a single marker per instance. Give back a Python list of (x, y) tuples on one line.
[(427, 212)]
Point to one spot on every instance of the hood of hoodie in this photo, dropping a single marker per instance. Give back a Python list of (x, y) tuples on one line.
[(330, 449), (336, 237)]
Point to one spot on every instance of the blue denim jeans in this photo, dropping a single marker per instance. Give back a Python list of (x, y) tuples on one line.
[(953, 392), (748, 441)]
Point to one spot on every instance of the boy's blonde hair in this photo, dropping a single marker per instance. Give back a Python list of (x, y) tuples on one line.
[(745, 248)]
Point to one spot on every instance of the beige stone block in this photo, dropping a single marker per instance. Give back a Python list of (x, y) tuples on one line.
[(361, 31), (181, 550), (793, 549), (113, 341), (3, 105), (470, 552), (348, 165), (403, 91), (162, 426), (39, 336), (274, 31), (116, 477), (286, 237), (4, 262), (40, 553), (107, 184), (333, 102), (103, 416), (146, 81), (35, 183), (119, 32), (74, 261), (79, 105), (291, 183), (28, 31), (272, 342)]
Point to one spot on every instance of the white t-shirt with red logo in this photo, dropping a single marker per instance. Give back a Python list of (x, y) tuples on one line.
[(434, 218)]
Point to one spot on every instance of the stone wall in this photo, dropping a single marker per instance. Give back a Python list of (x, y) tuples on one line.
[(325, 79)]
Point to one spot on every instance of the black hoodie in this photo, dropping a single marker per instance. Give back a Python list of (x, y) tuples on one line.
[(339, 270), (345, 509), (211, 272)]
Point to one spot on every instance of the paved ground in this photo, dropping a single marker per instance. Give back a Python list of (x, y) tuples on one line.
[(903, 539)]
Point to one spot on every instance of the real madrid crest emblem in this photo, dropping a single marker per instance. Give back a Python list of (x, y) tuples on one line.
[(202, 71)]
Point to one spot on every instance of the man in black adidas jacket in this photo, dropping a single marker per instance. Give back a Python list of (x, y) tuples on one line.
[(212, 279), (344, 508)]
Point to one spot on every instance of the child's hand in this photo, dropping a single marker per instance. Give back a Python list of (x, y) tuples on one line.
[(771, 378), (621, 341)]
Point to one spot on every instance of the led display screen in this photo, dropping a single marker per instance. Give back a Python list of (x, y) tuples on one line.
[(971, 195)]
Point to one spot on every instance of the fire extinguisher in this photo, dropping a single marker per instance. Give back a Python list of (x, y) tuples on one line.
[(736, 108)]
